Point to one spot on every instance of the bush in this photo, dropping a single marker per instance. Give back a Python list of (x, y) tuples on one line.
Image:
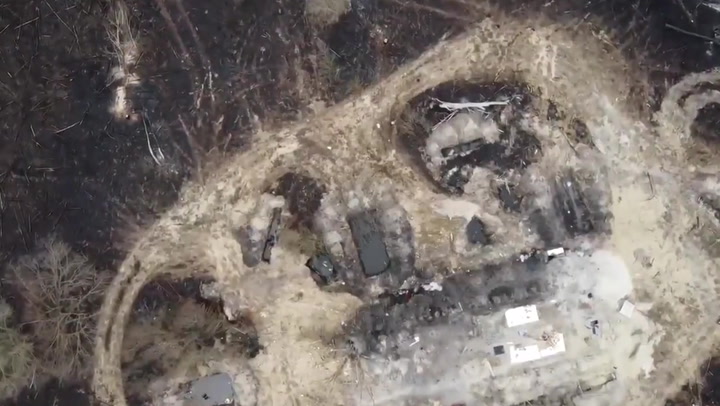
[(61, 292), (17, 365)]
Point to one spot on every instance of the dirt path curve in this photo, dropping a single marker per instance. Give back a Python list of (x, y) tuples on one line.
[(350, 147)]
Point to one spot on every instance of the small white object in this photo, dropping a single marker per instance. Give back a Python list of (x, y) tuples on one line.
[(228, 313), (627, 309), (555, 252), (415, 341), (459, 106), (489, 367), (432, 286), (518, 316)]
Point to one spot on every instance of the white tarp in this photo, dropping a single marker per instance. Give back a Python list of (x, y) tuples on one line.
[(518, 316), (520, 354)]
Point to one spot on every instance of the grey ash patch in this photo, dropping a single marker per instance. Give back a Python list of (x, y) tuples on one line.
[(382, 326)]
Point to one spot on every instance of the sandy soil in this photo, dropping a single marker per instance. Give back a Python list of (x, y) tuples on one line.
[(351, 148), (107, 110)]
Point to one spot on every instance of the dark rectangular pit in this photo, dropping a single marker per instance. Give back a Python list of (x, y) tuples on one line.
[(368, 238)]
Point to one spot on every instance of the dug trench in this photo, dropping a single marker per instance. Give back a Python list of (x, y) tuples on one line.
[(96, 199), (363, 181)]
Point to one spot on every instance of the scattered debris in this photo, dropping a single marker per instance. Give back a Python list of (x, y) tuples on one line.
[(509, 199), (645, 260), (594, 326), (627, 309), (457, 177), (303, 196), (415, 341), (462, 149), (693, 34), (475, 232), (369, 243), (213, 390), (582, 133), (534, 260), (555, 252), (272, 235), (403, 296), (323, 270), (518, 316), (553, 112), (468, 105)]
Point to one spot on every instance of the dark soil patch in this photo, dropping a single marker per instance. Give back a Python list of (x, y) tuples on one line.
[(163, 294), (572, 206), (71, 166), (377, 36), (303, 196), (509, 197), (54, 393), (554, 113), (581, 133), (706, 393), (245, 57), (705, 133), (707, 124), (577, 210)]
